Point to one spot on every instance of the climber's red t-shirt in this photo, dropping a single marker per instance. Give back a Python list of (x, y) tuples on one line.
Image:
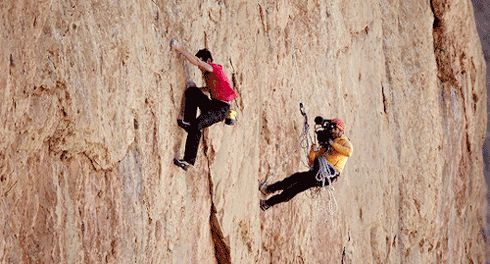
[(219, 85)]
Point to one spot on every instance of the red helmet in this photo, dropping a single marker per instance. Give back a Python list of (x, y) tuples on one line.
[(339, 123)]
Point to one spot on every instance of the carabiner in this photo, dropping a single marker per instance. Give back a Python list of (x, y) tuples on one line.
[(302, 109)]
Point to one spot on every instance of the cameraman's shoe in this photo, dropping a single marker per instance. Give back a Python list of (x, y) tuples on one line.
[(183, 124), (182, 164), (263, 205), (263, 187)]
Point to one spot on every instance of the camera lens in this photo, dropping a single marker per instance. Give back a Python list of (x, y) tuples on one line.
[(319, 120)]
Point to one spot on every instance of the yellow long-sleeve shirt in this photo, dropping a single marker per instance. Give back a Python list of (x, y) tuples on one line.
[(341, 149)]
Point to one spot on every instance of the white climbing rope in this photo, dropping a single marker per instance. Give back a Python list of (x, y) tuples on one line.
[(327, 173), (305, 139)]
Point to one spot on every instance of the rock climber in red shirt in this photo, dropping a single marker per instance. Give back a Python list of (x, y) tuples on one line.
[(213, 110)]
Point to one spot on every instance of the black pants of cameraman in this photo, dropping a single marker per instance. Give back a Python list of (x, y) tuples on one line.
[(294, 184), (212, 111)]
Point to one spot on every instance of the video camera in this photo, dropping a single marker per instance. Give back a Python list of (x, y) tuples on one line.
[(323, 130)]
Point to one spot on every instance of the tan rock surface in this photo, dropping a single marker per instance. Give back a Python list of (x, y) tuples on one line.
[(482, 17), (90, 92)]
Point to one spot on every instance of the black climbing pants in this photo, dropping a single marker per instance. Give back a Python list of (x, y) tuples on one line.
[(212, 111), (294, 184)]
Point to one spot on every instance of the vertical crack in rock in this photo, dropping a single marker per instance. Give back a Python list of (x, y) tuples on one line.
[(451, 51), (437, 21), (262, 18), (236, 85), (446, 52), (221, 248), (443, 50), (11, 64), (233, 75), (437, 35), (384, 99)]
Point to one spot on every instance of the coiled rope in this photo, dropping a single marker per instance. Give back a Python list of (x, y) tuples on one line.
[(327, 173)]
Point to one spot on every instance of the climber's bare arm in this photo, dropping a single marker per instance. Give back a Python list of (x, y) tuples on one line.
[(191, 58), (191, 83)]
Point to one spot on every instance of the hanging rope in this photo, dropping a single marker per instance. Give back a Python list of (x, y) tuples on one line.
[(305, 137), (327, 173), (305, 142)]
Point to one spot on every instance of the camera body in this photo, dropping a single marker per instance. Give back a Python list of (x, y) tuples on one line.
[(323, 130)]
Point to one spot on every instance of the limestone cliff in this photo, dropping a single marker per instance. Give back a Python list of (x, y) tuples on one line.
[(90, 92), (482, 17)]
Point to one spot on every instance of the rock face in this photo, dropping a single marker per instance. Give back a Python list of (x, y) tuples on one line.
[(90, 92), (482, 16)]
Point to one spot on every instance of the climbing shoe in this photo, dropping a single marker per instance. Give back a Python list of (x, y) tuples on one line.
[(231, 117), (263, 188), (263, 205), (185, 125), (182, 164)]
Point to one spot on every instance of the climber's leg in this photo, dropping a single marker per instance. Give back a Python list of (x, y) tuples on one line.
[(194, 98), (286, 182), (291, 191), (216, 114)]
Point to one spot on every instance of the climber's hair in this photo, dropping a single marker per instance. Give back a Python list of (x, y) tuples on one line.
[(204, 55)]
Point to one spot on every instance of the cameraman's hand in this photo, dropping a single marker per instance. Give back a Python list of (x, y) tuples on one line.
[(314, 147)]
